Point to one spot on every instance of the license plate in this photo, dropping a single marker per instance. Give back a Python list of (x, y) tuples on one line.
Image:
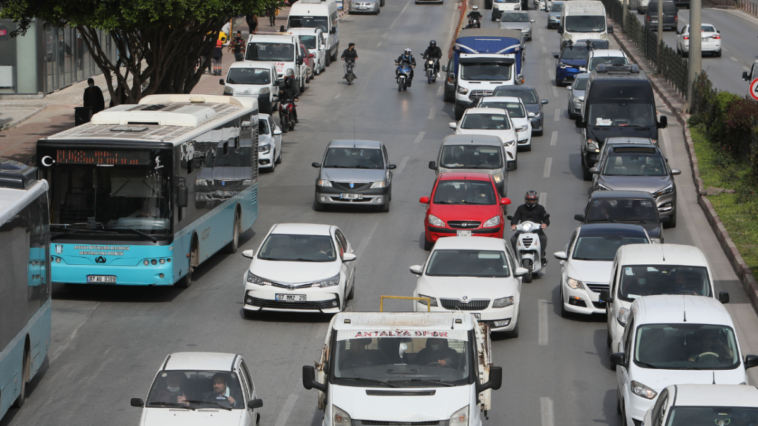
[(351, 196), (464, 233), (290, 297), (109, 279)]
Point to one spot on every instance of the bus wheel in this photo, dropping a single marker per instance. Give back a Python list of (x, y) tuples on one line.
[(24, 378), (232, 246), (186, 281)]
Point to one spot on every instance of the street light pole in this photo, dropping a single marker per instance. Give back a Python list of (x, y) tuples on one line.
[(695, 63), (623, 12), (660, 36)]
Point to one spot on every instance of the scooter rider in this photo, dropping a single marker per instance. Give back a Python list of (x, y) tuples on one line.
[(433, 52), (407, 57), (530, 211), (475, 14), (288, 93), (349, 54)]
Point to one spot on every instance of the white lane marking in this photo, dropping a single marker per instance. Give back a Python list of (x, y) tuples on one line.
[(379, 44), (403, 162), (549, 62), (544, 49), (555, 92), (398, 16), (419, 137), (432, 112), (548, 165), (551, 73), (385, 35), (365, 240), (546, 411), (286, 410), (440, 90), (542, 315), (542, 39), (734, 59), (338, 95), (557, 114), (543, 199), (554, 138), (72, 336)]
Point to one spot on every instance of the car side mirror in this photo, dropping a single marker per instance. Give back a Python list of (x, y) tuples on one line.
[(532, 115), (423, 200), (751, 361), (664, 122), (605, 296), (745, 76), (310, 55), (520, 272), (676, 172), (555, 55), (433, 165), (248, 254), (333, 30), (560, 255), (221, 82), (182, 193), (281, 29), (416, 270), (137, 402), (255, 403), (505, 201), (610, 29), (579, 217), (495, 381), (532, 21), (300, 60), (724, 297), (544, 102), (349, 257), (594, 170), (277, 131), (452, 125), (309, 379), (569, 88), (579, 122), (315, 165), (618, 359), (392, 167)]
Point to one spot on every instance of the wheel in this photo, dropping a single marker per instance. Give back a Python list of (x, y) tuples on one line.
[(685, 54), (672, 220), (273, 164), (334, 57), (249, 314), (186, 281), (234, 243), (608, 340), (25, 369), (488, 4), (493, 16), (512, 165), (291, 123), (384, 208), (429, 78), (428, 245), (612, 365), (400, 86), (623, 416), (618, 404), (564, 312), (279, 158), (352, 289), (283, 122), (586, 175), (319, 207), (717, 54), (527, 263), (514, 332)]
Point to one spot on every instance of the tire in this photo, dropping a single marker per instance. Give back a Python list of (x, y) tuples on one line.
[(618, 404), (249, 314), (513, 165), (685, 54), (608, 340), (328, 60), (186, 281), (234, 243), (291, 123), (279, 158), (400, 86), (586, 175), (352, 289), (488, 4), (612, 366), (385, 208), (25, 369), (717, 54), (273, 165), (526, 263), (493, 16), (564, 312), (672, 221), (334, 57), (528, 148), (428, 244), (319, 207), (514, 333), (284, 123)]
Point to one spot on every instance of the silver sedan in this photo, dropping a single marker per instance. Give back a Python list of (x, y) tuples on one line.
[(576, 95), (517, 20)]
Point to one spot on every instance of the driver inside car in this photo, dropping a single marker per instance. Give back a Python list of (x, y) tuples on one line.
[(437, 353), (710, 344)]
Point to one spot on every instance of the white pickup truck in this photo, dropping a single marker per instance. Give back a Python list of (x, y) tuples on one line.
[(404, 368)]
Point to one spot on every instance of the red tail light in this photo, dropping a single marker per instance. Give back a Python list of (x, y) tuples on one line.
[(686, 37), (716, 37), (647, 18), (676, 18)]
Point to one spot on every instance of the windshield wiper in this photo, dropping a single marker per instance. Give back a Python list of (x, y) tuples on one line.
[(363, 379), (602, 220), (633, 220), (171, 404), (449, 385), (211, 402), (138, 232)]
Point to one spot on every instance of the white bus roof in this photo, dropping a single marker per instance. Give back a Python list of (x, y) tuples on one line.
[(12, 201), (161, 118), (401, 320)]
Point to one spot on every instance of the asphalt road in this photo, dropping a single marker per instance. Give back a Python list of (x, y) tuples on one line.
[(738, 43), (109, 342)]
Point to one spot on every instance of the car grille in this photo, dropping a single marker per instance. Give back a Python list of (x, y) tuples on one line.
[(317, 305), (345, 186), (463, 224), (457, 305), (597, 287), (290, 286), (477, 94), (527, 242), (378, 423)]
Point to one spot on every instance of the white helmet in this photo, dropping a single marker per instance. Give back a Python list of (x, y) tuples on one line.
[(475, 7), (407, 50)]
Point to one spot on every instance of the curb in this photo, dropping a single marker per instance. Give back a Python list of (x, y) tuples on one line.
[(13, 124), (670, 98)]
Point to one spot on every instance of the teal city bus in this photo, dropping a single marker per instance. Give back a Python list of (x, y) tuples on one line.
[(25, 305), (143, 194)]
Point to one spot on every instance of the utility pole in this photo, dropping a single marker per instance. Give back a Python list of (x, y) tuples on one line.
[(623, 12), (660, 36), (695, 63)]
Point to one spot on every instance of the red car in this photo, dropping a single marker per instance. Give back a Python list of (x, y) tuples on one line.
[(463, 204)]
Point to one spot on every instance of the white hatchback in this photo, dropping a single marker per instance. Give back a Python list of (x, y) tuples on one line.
[(208, 388), (300, 267), (710, 40), (269, 143), (685, 405), (518, 114), (477, 275), (493, 122)]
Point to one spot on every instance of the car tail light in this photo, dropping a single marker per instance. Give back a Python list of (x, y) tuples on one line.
[(647, 18), (676, 18), (686, 37), (716, 37)]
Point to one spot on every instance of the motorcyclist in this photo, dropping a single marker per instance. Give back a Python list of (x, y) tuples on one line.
[(407, 57), (289, 93), (349, 54), (475, 14), (433, 52), (530, 211)]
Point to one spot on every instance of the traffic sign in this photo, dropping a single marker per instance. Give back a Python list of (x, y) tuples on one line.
[(754, 89)]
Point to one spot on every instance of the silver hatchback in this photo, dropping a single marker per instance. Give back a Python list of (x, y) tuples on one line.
[(474, 153), (576, 95), (517, 21)]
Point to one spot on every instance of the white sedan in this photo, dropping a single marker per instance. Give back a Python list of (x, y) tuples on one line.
[(474, 275), (710, 40), (207, 388), (269, 143), (518, 114), (492, 122), (300, 267)]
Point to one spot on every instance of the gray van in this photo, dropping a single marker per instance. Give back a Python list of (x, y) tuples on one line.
[(670, 17), (473, 153)]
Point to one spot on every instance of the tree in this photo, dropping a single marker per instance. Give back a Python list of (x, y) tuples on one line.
[(159, 42)]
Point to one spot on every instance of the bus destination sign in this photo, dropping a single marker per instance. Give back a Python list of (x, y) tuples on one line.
[(118, 157)]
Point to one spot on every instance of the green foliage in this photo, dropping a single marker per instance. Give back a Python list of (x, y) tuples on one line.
[(718, 128)]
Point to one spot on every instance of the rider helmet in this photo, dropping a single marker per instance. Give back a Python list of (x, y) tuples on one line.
[(475, 7), (433, 43), (407, 50), (288, 81), (531, 199)]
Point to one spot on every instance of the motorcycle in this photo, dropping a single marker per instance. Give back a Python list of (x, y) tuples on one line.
[(286, 115), (403, 76), (473, 23), (528, 250), (430, 66), (350, 76)]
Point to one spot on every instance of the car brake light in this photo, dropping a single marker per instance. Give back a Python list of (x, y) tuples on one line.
[(676, 18), (647, 18), (716, 37), (686, 37)]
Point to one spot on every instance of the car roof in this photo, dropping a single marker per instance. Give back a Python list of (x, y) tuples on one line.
[(661, 254), (273, 38), (621, 195), (628, 140), (486, 111), (470, 243), (383, 321), (473, 139), (263, 116), (715, 396), (501, 99), (608, 52), (612, 229), (301, 229), (680, 309), (464, 176), (209, 361), (347, 143), (253, 64)]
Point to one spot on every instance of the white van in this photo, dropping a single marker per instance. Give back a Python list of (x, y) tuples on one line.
[(675, 339), (404, 368), (318, 14), (281, 49), (642, 270), (583, 20), (313, 39), (253, 79)]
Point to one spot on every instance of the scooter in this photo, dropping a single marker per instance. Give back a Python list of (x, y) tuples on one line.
[(350, 76), (528, 248), (403, 76), (431, 66), (286, 115)]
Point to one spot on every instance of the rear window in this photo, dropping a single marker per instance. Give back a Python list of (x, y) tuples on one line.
[(668, 7)]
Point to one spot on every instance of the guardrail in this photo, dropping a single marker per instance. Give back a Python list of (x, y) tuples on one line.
[(748, 6)]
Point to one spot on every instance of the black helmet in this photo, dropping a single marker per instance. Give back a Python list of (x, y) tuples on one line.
[(288, 81), (531, 199), (433, 43)]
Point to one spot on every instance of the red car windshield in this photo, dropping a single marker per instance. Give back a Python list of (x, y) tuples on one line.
[(476, 192)]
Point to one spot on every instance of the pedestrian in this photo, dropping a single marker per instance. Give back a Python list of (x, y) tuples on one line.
[(271, 12), (93, 97), (252, 22), (218, 53), (238, 47)]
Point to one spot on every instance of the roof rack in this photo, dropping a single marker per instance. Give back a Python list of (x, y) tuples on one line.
[(16, 175)]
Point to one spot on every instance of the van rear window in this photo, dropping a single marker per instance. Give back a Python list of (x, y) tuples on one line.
[(668, 7), (310, 22)]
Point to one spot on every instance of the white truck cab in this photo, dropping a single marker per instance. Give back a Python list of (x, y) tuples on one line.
[(314, 40), (426, 367), (281, 49), (583, 20), (751, 76)]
